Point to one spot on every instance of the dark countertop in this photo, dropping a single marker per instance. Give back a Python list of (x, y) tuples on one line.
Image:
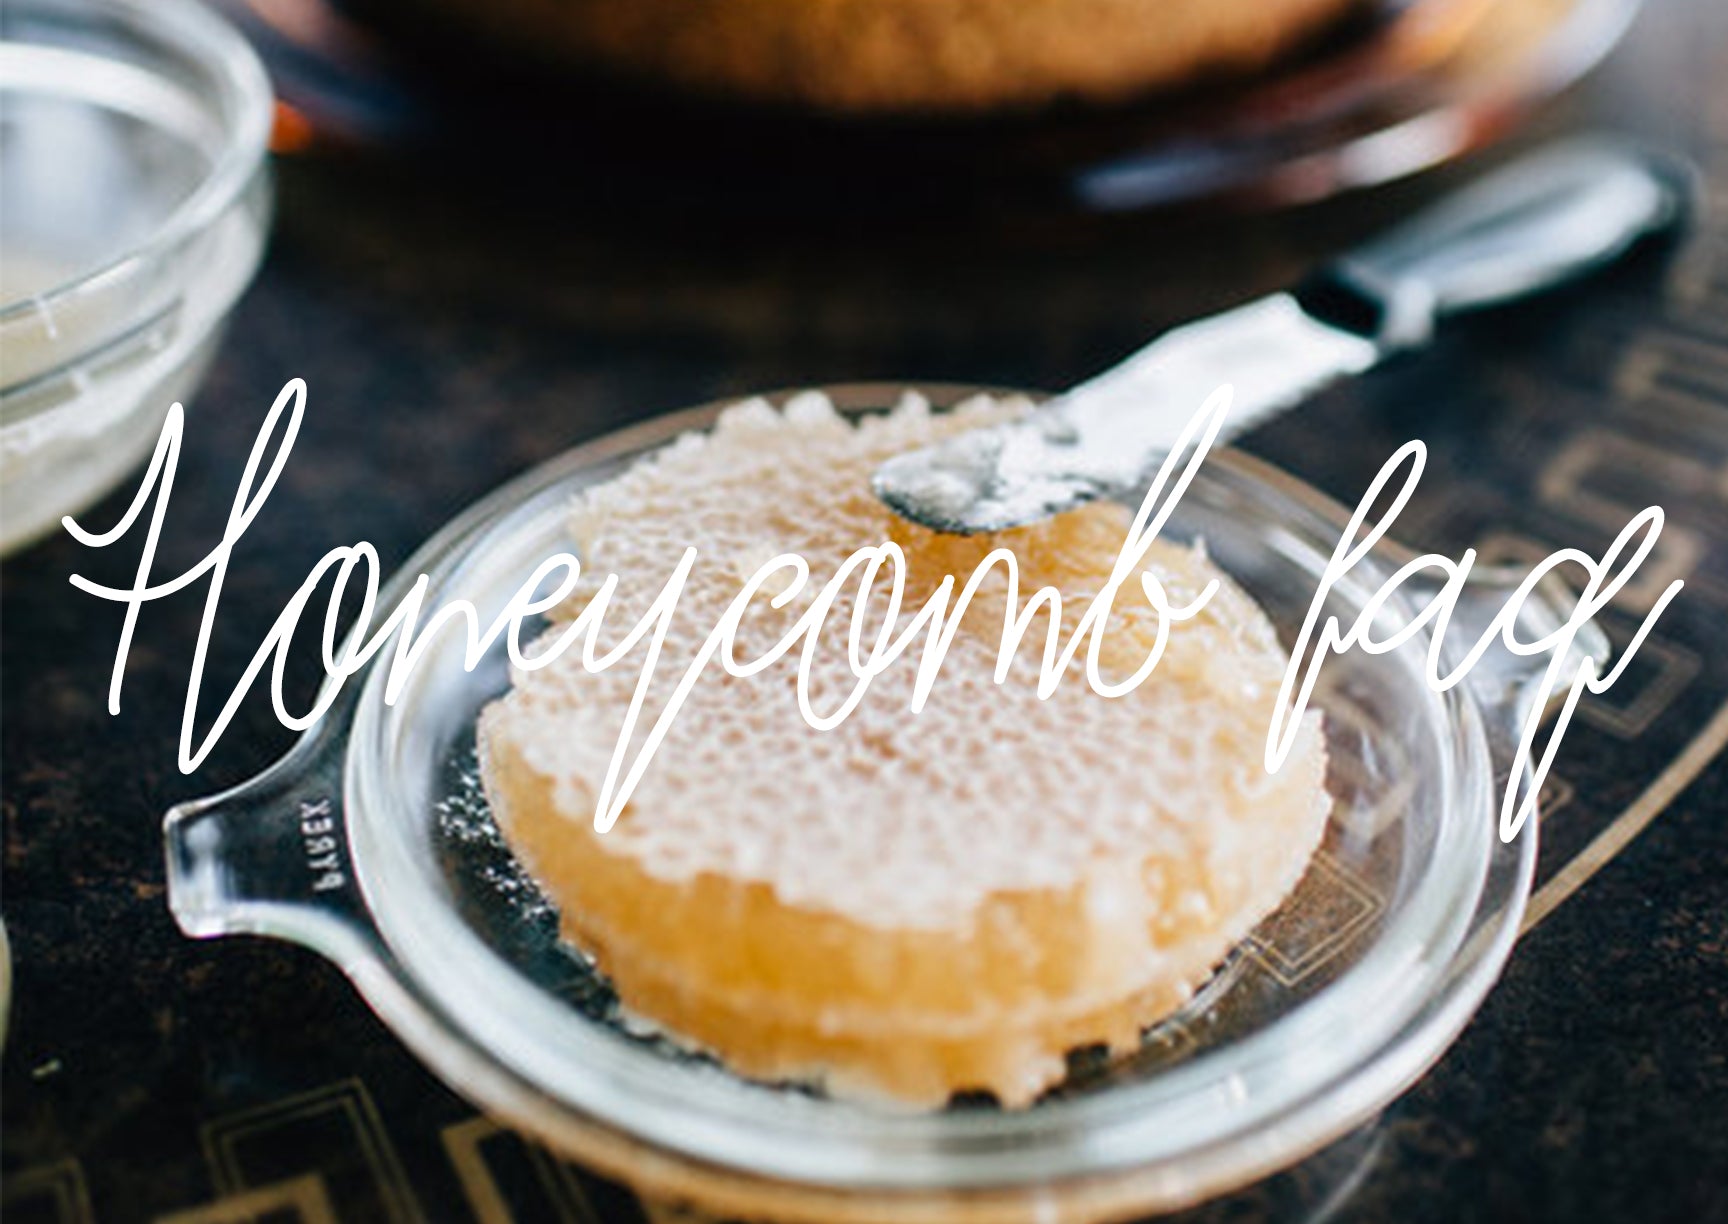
[(455, 330)]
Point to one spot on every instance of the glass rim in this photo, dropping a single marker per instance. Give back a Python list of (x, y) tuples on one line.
[(241, 108)]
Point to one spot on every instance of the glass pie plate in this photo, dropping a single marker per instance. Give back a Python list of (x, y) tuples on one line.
[(370, 844), (1399, 86)]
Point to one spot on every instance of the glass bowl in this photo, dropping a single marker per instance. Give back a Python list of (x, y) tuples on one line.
[(134, 198), (370, 843)]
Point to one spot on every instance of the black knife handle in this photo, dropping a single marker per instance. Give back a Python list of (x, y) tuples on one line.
[(1534, 224)]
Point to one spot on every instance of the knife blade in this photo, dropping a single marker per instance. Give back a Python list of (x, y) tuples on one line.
[(1540, 222)]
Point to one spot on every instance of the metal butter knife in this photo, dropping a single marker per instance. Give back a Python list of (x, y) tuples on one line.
[(1535, 224)]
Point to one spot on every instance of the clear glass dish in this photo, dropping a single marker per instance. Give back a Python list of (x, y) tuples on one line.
[(370, 844), (134, 198), (1405, 85)]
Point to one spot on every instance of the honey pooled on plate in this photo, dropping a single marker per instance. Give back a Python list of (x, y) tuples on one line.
[(906, 905)]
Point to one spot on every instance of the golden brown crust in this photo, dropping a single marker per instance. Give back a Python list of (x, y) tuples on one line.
[(913, 55)]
